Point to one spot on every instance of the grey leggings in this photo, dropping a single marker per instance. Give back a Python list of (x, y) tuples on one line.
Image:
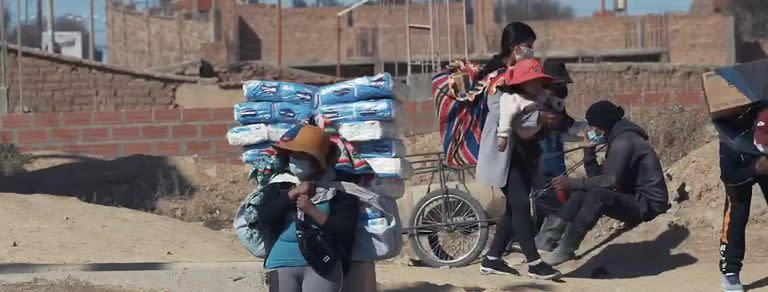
[(298, 279)]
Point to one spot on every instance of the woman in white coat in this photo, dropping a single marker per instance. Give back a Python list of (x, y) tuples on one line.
[(511, 163)]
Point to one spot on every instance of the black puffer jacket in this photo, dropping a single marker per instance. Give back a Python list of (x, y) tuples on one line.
[(631, 166)]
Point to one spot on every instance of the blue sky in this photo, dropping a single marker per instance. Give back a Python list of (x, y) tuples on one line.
[(587, 7), (80, 7)]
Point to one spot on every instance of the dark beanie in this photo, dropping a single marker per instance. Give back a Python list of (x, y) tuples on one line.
[(604, 115)]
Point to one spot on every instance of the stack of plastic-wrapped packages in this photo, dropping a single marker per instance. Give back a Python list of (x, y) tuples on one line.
[(363, 112), (271, 109)]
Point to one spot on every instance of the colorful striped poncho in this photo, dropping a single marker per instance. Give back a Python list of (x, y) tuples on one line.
[(461, 109)]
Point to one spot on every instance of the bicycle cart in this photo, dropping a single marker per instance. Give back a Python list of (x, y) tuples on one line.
[(448, 226)]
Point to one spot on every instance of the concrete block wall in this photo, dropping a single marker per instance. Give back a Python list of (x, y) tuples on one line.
[(140, 40), (110, 134)]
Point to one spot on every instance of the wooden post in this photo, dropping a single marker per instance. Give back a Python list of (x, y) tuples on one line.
[(338, 46), (408, 40), (279, 33), (19, 56), (464, 21), (450, 33), (4, 43)]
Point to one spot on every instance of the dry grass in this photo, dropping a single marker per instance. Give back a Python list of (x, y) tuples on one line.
[(11, 160)]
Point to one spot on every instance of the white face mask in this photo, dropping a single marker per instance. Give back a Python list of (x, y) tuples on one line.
[(527, 54), (303, 169)]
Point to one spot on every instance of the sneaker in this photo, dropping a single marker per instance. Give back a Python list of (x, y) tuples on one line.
[(543, 271), (497, 266), (731, 283), (514, 247)]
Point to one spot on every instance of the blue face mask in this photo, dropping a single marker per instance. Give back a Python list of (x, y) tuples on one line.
[(303, 169), (595, 138)]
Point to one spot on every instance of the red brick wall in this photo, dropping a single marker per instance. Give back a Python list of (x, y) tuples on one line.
[(120, 133)]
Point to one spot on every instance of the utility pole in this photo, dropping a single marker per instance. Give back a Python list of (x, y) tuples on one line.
[(91, 32), (51, 39)]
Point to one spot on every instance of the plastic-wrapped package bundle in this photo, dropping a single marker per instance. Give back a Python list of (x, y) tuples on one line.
[(247, 113), (393, 187), (373, 87), (252, 112), (275, 91), (247, 135), (276, 131), (287, 112), (367, 130), (384, 148), (367, 110), (391, 167), (255, 153)]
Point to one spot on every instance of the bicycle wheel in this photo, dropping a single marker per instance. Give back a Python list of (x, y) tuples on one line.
[(460, 241)]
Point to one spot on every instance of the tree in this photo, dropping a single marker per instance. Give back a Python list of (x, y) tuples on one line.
[(327, 3), (31, 35), (521, 10), (751, 18), (299, 3)]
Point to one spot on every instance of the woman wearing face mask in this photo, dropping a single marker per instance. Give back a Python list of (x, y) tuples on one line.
[(508, 159), (516, 44), (629, 187), (306, 151)]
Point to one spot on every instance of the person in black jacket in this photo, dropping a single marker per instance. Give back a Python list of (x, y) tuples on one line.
[(630, 187), (741, 167), (306, 151)]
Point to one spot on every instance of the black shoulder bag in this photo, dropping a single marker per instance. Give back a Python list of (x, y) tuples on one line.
[(318, 247)]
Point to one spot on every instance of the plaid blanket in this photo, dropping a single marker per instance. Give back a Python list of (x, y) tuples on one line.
[(461, 109)]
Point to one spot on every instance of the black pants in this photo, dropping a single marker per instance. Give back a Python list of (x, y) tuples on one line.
[(547, 204), (516, 221), (738, 200), (584, 208)]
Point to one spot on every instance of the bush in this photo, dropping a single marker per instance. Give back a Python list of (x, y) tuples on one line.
[(11, 160)]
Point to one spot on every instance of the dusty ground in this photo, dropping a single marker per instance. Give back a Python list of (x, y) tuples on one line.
[(675, 252), (50, 229), (67, 285), (187, 188)]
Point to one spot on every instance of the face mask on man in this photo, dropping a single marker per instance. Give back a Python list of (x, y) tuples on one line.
[(527, 53), (596, 138), (303, 169)]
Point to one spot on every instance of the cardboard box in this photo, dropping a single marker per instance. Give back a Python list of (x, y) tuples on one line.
[(722, 98)]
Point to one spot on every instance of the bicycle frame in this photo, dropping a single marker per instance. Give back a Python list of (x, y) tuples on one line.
[(444, 173)]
